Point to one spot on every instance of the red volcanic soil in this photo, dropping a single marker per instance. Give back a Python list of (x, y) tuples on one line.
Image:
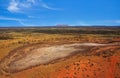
[(103, 63), (91, 67)]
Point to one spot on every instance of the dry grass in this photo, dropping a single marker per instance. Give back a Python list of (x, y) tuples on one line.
[(26, 37)]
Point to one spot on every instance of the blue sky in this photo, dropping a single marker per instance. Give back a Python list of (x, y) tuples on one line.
[(53, 12)]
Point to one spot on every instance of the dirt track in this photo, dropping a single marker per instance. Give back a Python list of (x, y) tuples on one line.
[(32, 56)]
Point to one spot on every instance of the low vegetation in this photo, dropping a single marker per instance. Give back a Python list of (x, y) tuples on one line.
[(11, 38)]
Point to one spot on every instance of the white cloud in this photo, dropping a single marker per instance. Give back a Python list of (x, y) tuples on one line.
[(13, 6), (20, 21), (25, 24), (18, 5), (44, 5), (12, 19), (6, 18)]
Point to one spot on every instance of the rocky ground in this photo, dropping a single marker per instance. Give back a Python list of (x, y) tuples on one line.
[(93, 60)]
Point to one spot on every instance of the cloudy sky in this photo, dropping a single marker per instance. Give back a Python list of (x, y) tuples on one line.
[(53, 12)]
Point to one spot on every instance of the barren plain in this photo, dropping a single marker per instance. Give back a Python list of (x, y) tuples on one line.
[(75, 52)]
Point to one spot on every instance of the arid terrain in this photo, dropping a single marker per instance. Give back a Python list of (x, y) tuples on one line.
[(60, 52)]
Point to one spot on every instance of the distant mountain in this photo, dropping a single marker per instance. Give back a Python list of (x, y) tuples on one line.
[(62, 25)]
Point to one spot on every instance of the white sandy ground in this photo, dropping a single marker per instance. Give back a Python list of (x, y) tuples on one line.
[(45, 55)]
